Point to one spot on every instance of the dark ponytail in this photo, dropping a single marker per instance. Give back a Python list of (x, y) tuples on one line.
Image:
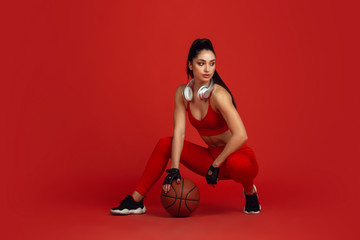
[(196, 47)]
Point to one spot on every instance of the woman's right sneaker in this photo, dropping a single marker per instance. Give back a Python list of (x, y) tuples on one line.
[(129, 206)]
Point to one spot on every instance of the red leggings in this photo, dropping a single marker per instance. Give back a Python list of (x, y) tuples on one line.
[(240, 165)]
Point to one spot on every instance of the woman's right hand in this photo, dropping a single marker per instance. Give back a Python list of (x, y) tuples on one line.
[(174, 173)]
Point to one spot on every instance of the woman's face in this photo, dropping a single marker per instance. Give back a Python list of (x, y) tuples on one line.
[(203, 66)]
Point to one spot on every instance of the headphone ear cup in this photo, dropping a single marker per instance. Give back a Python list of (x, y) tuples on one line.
[(204, 92), (201, 92), (188, 93)]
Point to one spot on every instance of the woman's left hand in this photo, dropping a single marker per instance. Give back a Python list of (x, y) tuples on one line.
[(212, 175)]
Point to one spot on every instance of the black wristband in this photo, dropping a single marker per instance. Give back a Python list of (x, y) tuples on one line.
[(174, 173), (212, 179)]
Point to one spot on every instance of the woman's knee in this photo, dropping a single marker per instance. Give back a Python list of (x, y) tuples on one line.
[(164, 144), (242, 164)]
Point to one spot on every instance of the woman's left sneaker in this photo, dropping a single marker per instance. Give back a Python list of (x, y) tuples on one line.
[(129, 206), (252, 205)]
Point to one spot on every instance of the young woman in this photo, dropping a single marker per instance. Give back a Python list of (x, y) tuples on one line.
[(212, 111)]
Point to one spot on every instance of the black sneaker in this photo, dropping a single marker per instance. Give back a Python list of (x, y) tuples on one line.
[(129, 206), (252, 205)]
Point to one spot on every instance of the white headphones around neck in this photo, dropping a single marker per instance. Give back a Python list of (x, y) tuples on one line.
[(203, 92)]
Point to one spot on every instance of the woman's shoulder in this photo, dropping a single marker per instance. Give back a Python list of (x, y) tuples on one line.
[(181, 87), (220, 96), (220, 92), (179, 93), (179, 90)]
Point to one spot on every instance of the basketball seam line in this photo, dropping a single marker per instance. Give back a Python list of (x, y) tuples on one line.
[(180, 198), (187, 196), (175, 196), (182, 186)]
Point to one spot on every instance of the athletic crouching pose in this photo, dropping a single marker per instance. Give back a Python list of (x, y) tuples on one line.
[(212, 111)]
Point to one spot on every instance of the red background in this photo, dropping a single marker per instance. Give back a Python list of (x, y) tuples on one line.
[(87, 91)]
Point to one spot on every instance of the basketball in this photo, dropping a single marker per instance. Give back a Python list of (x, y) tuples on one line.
[(182, 199)]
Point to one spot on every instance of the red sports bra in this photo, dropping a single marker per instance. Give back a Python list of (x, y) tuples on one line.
[(212, 124)]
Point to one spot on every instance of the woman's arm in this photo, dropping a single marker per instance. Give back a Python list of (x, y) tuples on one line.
[(179, 127), (223, 102)]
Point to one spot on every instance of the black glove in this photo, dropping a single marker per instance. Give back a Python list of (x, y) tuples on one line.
[(212, 179), (174, 173)]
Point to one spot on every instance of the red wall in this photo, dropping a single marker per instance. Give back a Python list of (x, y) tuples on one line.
[(88, 90)]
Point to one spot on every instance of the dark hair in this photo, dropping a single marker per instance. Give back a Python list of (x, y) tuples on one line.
[(197, 46)]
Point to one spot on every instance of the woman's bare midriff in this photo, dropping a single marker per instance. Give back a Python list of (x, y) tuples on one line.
[(217, 140)]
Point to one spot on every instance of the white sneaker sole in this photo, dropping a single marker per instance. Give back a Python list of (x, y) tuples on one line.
[(127, 211), (252, 211)]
